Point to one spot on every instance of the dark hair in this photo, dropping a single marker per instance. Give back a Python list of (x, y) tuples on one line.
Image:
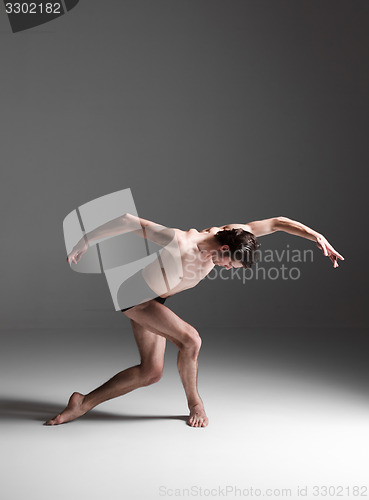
[(242, 245)]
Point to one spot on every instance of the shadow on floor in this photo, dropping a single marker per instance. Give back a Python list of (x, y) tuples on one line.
[(40, 411)]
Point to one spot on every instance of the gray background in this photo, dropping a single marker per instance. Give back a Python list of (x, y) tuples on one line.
[(212, 112)]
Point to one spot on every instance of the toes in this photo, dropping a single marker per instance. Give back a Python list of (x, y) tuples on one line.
[(51, 421), (197, 421), (54, 421)]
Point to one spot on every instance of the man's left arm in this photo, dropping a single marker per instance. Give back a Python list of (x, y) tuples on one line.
[(267, 226)]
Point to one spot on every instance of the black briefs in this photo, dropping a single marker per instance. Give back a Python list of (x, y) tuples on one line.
[(136, 288), (158, 299)]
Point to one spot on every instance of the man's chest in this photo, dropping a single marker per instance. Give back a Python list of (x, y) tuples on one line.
[(195, 267)]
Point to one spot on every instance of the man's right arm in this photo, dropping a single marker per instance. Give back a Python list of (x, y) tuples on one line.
[(120, 225), (130, 223)]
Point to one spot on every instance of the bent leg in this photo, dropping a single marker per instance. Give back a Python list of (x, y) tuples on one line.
[(162, 321), (151, 348)]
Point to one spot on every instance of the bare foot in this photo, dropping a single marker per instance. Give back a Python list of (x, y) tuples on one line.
[(71, 412), (198, 416)]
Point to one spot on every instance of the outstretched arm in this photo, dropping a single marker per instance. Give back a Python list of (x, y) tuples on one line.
[(123, 224), (267, 226)]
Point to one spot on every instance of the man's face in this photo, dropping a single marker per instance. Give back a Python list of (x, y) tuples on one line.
[(222, 258)]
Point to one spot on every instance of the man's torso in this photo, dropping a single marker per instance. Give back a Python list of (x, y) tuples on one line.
[(181, 266)]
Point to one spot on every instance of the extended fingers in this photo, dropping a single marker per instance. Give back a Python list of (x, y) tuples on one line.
[(334, 260), (336, 254)]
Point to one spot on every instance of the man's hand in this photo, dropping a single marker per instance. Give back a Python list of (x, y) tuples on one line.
[(328, 250), (78, 251)]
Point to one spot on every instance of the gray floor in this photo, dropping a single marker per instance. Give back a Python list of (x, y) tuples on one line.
[(279, 418)]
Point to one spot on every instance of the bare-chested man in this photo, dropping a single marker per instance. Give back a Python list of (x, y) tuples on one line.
[(230, 246)]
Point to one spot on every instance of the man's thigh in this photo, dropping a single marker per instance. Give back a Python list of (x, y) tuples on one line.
[(150, 345), (160, 320)]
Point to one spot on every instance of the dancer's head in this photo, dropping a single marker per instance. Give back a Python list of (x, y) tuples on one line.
[(237, 248)]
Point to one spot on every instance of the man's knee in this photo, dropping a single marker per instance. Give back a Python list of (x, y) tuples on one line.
[(151, 374), (191, 341)]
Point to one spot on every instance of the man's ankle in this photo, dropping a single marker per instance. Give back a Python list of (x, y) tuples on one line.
[(195, 402)]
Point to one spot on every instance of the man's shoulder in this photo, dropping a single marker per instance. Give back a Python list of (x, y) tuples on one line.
[(212, 229), (179, 234), (185, 235)]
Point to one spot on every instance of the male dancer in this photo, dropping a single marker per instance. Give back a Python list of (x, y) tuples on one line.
[(232, 245)]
